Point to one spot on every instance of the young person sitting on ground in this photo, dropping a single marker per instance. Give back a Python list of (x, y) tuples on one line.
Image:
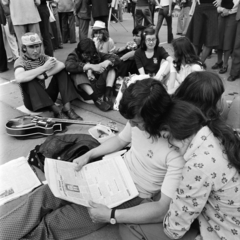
[(153, 164), (93, 73), (126, 54), (205, 90), (31, 71), (101, 38), (208, 193), (185, 61), (149, 56)]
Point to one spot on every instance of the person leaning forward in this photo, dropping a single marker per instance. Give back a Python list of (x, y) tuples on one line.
[(32, 69), (93, 73)]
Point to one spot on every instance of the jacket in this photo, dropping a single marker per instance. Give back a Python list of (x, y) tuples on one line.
[(82, 9), (74, 64)]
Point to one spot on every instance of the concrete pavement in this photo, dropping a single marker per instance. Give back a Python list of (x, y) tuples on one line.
[(10, 100)]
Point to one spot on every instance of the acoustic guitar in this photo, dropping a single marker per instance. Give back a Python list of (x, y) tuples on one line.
[(37, 125)]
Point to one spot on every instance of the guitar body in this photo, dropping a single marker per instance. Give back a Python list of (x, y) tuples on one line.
[(21, 127), (25, 126)]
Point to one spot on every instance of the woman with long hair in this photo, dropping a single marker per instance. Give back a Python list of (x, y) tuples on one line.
[(149, 56), (101, 38), (186, 61), (209, 190), (205, 90)]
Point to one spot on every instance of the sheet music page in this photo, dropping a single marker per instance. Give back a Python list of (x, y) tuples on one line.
[(106, 181), (16, 179)]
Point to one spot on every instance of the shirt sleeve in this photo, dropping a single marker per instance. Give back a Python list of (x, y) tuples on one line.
[(175, 163), (126, 133), (138, 59), (73, 64), (188, 201), (19, 63), (162, 53)]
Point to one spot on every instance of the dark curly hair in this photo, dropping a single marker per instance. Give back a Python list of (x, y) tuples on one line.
[(184, 50), (145, 32), (184, 120), (203, 89), (147, 99)]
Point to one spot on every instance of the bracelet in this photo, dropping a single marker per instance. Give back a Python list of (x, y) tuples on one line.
[(45, 75)]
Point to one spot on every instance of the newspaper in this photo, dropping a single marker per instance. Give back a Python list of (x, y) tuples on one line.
[(107, 181), (16, 179)]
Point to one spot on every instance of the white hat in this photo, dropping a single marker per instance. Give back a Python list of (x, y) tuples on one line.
[(30, 39), (99, 25)]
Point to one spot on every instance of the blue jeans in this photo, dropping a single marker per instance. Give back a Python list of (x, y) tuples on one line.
[(163, 13), (141, 13)]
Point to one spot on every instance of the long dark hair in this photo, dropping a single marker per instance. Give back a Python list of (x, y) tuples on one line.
[(148, 31), (184, 50), (184, 120), (203, 89), (104, 32), (88, 47), (147, 99)]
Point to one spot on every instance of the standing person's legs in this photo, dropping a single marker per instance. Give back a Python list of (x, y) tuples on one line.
[(235, 69), (180, 22), (186, 17), (169, 23), (3, 55), (83, 28), (152, 9), (45, 31), (138, 16), (19, 30), (147, 16), (160, 21), (71, 24), (64, 21), (12, 41)]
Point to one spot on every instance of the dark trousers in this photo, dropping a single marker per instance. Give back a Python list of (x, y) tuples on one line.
[(68, 27), (235, 70), (141, 13), (3, 55), (152, 9), (44, 28), (126, 67), (163, 13), (35, 97), (83, 28)]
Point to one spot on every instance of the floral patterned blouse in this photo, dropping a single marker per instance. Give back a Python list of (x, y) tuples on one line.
[(209, 191)]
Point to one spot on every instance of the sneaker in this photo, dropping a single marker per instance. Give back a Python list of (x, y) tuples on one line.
[(61, 115), (103, 106), (72, 115)]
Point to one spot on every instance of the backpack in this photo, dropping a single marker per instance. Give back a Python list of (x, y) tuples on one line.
[(65, 147)]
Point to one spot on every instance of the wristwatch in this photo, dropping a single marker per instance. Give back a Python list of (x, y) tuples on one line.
[(45, 75), (112, 218)]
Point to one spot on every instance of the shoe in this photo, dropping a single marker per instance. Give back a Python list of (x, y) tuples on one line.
[(4, 70), (72, 115), (103, 106), (108, 100), (61, 115), (217, 65), (179, 33), (223, 70), (232, 79), (60, 46)]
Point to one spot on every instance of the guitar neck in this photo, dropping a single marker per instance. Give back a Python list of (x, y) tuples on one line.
[(74, 121)]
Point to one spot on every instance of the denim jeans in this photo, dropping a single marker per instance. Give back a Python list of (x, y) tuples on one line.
[(163, 13)]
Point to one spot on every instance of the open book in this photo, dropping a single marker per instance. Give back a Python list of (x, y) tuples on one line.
[(107, 181)]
